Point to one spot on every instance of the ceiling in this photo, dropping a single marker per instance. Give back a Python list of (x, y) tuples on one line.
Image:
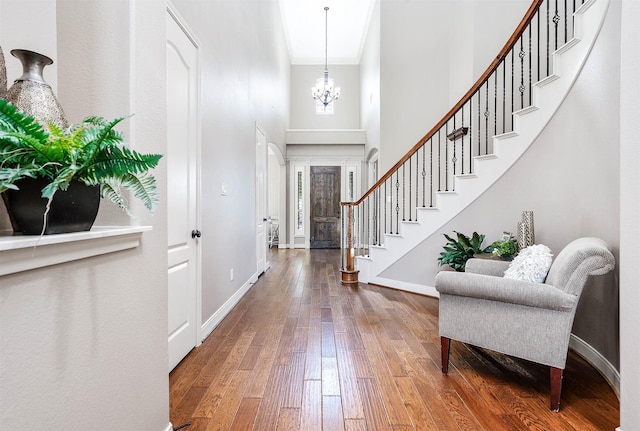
[(304, 27)]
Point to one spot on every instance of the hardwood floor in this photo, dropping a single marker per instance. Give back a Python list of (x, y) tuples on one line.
[(302, 352)]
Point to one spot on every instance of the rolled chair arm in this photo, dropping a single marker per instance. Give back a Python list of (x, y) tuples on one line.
[(500, 289), (487, 266)]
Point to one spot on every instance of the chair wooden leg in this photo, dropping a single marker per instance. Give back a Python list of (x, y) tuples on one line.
[(556, 388), (445, 346)]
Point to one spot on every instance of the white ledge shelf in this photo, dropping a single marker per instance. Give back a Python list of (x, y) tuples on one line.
[(23, 253)]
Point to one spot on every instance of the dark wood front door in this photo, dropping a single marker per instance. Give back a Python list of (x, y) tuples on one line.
[(325, 206)]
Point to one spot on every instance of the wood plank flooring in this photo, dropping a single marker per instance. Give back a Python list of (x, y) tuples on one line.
[(302, 352)]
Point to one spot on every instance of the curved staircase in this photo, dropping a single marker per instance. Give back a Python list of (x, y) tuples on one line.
[(377, 244)]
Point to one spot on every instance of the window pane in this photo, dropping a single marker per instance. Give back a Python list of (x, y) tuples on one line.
[(300, 202)]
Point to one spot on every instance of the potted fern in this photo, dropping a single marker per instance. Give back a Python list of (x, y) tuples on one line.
[(460, 249), (61, 174)]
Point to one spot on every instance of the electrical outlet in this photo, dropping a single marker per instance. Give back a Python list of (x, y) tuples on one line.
[(231, 275)]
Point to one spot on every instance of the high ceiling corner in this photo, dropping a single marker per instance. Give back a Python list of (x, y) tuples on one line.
[(304, 28)]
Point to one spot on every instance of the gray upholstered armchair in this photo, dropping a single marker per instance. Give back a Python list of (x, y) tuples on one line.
[(527, 320)]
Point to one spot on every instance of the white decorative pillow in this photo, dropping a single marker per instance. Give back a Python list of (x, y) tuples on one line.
[(531, 264)]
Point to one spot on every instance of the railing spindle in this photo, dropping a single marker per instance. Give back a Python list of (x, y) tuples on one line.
[(423, 173), (555, 19), (548, 27), (538, 45), (530, 78), (504, 98), (398, 202), (446, 157), (454, 159), (566, 23), (431, 173), (512, 92), (417, 178), (403, 191), (439, 164), (462, 142), (486, 120), (479, 131)]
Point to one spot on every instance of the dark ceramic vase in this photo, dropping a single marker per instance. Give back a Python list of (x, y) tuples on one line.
[(73, 210)]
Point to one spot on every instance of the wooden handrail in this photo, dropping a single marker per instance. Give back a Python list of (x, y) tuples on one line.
[(524, 23)]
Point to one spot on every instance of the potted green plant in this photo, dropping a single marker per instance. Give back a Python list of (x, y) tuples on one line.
[(89, 158), (457, 251), (505, 249)]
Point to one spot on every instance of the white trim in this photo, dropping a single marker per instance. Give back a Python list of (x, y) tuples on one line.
[(595, 358), (282, 192), (221, 313), (182, 23), (325, 161), (187, 30), (294, 168), (169, 427), (24, 253), (326, 136), (262, 214)]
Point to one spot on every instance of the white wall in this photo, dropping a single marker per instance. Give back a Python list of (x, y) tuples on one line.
[(570, 179), (346, 109), (370, 83), (493, 23), (245, 80), (429, 57), (629, 215), (274, 186), (414, 73), (34, 14), (84, 345)]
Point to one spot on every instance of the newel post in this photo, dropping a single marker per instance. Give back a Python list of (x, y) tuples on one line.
[(349, 272)]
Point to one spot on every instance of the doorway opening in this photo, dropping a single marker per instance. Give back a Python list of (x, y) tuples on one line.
[(325, 206)]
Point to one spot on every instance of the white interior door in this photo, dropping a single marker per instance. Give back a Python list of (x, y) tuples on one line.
[(182, 145), (261, 201)]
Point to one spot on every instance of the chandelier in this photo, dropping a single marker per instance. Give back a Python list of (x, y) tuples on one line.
[(324, 93)]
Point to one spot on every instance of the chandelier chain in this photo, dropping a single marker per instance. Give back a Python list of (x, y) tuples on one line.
[(324, 93), (326, 36)]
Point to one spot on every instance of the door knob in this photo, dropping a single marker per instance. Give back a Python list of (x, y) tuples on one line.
[(196, 233)]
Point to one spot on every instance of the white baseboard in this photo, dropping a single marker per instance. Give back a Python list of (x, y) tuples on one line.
[(598, 361), (222, 312)]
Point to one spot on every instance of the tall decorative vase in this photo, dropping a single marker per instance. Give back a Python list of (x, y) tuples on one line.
[(527, 220), (526, 231), (3, 76), (31, 94), (522, 236)]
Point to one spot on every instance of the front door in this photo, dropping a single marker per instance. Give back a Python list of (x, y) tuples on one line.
[(325, 207), (183, 266)]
